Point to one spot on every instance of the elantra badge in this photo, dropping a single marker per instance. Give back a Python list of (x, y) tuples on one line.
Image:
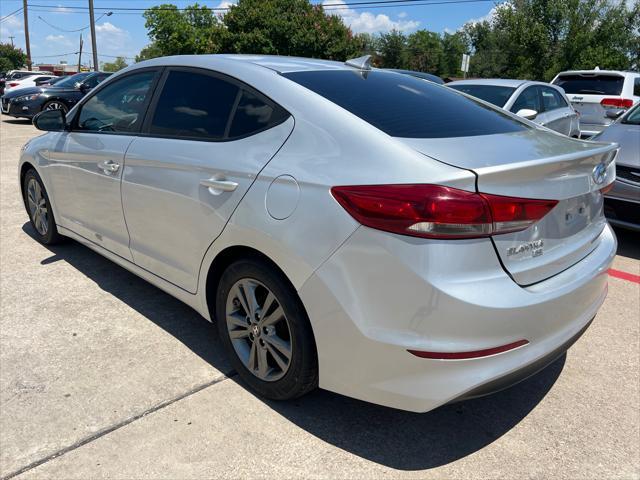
[(534, 247), (599, 173)]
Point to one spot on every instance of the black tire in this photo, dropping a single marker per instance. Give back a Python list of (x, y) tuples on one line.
[(51, 235), (62, 107), (302, 374)]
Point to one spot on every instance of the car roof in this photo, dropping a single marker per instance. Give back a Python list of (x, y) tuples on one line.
[(498, 82)]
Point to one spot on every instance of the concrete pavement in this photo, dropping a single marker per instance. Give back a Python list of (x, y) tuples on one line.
[(104, 376)]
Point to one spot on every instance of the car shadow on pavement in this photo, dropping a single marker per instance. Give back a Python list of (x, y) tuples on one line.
[(628, 243), (394, 438), (17, 121)]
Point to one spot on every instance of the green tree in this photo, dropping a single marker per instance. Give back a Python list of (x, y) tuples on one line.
[(286, 27), (424, 51), (453, 46), (118, 64), (194, 30), (150, 51), (393, 50), (11, 58)]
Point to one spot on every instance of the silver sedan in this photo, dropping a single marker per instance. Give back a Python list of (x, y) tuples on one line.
[(351, 228), (542, 103)]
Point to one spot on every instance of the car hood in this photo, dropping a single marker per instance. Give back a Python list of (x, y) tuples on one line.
[(628, 137), (22, 91)]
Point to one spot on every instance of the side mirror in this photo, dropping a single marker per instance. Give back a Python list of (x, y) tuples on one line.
[(614, 113), (84, 88), (50, 121), (527, 113)]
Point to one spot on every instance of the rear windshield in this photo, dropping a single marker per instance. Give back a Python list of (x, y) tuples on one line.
[(591, 84), (404, 106), (489, 93)]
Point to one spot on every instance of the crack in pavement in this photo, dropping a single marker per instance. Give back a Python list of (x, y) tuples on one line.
[(117, 426)]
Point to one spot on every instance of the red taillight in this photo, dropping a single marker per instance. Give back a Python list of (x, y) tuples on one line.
[(435, 211), (617, 102), (13, 84)]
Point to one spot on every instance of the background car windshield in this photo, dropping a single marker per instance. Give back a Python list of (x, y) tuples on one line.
[(404, 106), (591, 84), (633, 117), (72, 80), (489, 93)]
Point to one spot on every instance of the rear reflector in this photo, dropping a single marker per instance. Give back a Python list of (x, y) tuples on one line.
[(466, 355), (617, 102), (436, 211)]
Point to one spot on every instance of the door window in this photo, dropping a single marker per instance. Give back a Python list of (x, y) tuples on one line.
[(636, 86), (118, 107), (529, 98), (194, 105), (552, 99), (254, 114)]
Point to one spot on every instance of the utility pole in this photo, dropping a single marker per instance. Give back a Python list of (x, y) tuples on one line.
[(11, 37), (94, 49), (26, 33), (80, 54)]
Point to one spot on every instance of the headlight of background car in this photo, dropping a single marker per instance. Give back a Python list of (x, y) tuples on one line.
[(27, 98)]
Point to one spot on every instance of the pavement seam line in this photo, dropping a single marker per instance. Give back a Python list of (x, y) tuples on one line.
[(119, 425)]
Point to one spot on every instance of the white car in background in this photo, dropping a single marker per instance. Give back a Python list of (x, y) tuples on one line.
[(25, 82), (539, 102), (593, 92)]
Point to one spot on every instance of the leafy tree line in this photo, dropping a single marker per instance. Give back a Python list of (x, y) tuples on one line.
[(531, 39), (11, 58)]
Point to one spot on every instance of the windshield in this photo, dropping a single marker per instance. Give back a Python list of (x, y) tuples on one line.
[(72, 80), (633, 117), (404, 106), (489, 93), (591, 84)]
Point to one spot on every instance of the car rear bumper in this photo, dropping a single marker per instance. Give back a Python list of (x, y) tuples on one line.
[(381, 294)]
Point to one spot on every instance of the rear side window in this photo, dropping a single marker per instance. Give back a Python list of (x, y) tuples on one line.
[(551, 99), (529, 98), (404, 106), (194, 105), (589, 84), (636, 87), (489, 93), (254, 114)]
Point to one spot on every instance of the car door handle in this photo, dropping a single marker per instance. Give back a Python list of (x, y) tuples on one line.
[(109, 166), (219, 184)]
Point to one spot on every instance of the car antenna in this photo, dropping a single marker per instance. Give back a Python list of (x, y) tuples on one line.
[(361, 63)]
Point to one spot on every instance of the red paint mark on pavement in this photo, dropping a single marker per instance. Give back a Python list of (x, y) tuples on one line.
[(624, 275)]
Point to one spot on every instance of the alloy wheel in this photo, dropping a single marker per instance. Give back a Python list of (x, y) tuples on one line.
[(55, 106), (37, 207), (258, 329)]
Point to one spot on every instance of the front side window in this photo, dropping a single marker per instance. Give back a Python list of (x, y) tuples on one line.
[(92, 81), (529, 99), (404, 106), (118, 107), (551, 99)]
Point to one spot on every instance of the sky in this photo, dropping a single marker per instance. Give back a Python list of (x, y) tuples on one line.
[(53, 23)]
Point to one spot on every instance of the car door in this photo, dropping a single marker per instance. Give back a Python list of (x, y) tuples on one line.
[(88, 160), (205, 139), (556, 113)]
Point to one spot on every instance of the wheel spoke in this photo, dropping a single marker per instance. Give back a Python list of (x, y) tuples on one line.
[(268, 302), (239, 294), (282, 346), (253, 357), (240, 333), (237, 320), (277, 357), (263, 364), (273, 317)]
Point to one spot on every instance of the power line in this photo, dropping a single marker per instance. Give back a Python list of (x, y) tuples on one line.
[(76, 30), (15, 12)]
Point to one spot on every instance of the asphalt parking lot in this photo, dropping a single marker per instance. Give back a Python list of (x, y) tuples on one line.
[(104, 376)]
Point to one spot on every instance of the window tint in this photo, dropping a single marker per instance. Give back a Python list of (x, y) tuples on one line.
[(194, 105), (118, 107), (591, 84), (551, 99), (254, 114), (404, 106), (72, 80), (489, 93), (636, 87), (529, 98), (93, 80)]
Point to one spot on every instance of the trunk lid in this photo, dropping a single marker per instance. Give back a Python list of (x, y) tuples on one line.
[(540, 165)]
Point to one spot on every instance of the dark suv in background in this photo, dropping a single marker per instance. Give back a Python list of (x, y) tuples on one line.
[(63, 95)]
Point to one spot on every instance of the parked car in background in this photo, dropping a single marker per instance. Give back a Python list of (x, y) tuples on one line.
[(539, 102), (13, 75), (422, 75), (351, 228), (622, 203), (26, 82), (593, 92), (63, 95)]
